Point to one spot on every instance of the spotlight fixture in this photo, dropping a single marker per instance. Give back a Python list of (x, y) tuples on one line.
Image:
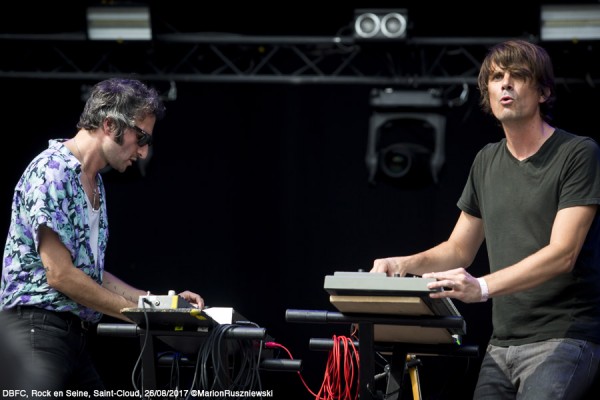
[(380, 24), (405, 145), (119, 23)]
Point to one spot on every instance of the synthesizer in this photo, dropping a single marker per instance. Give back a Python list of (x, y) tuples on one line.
[(377, 287), (342, 282)]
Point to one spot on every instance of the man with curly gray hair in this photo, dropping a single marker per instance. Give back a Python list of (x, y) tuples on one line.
[(54, 285)]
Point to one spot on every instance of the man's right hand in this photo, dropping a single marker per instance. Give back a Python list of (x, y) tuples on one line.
[(390, 265)]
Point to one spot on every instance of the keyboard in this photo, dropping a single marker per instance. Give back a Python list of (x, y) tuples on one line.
[(349, 283)]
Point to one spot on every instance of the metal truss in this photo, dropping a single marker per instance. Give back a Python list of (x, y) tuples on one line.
[(198, 57)]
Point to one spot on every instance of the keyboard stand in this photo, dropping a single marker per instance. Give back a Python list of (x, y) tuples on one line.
[(184, 332), (368, 345)]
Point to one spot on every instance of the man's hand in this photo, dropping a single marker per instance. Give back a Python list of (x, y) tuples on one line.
[(193, 298), (457, 284), (391, 266)]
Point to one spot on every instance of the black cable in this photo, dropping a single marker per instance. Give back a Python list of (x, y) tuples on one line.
[(234, 363), (175, 375), (203, 357), (195, 375), (254, 381), (139, 359)]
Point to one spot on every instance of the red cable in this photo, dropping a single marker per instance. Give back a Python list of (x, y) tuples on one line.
[(335, 386), (274, 344)]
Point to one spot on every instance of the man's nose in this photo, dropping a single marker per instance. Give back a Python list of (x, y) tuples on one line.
[(142, 151), (507, 81)]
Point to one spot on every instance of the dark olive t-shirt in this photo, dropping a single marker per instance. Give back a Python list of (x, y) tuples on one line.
[(518, 201)]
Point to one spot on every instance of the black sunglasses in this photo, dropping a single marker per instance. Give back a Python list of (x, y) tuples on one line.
[(143, 137)]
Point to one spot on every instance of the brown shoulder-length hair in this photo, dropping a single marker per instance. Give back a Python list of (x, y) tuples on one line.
[(520, 54)]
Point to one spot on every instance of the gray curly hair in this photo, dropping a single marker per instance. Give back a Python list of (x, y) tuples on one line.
[(123, 101)]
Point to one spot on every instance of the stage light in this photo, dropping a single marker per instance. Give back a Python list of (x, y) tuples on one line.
[(119, 23), (380, 24), (571, 22), (405, 145)]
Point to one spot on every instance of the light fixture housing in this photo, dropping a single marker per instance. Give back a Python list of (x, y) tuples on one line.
[(380, 24), (406, 137), (570, 22), (119, 23)]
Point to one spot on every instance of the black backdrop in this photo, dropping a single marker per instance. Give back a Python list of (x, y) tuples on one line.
[(254, 193)]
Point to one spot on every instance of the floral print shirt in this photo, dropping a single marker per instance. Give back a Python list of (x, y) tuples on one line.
[(50, 193)]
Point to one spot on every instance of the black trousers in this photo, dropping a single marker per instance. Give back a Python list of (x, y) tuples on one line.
[(51, 350)]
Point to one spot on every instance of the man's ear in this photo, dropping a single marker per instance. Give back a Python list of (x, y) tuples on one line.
[(109, 125), (545, 93)]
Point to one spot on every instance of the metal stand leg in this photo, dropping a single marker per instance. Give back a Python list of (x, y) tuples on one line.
[(367, 359)]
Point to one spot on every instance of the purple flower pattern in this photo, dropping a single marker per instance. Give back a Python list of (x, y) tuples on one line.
[(50, 193)]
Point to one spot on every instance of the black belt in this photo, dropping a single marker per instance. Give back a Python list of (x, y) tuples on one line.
[(64, 315)]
